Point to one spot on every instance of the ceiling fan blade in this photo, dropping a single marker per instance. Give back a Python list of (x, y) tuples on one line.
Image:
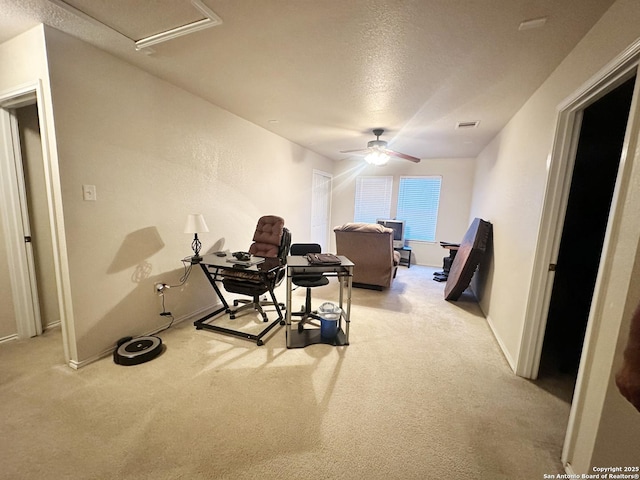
[(359, 150), (404, 156)]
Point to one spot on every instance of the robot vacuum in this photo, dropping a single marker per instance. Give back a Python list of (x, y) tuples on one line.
[(132, 351)]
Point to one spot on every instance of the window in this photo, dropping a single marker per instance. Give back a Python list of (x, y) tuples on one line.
[(418, 200), (373, 199)]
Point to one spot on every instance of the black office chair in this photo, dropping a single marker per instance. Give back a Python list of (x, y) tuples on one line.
[(307, 281), (270, 240)]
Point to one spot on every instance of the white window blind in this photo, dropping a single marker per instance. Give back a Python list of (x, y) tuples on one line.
[(373, 199), (418, 200)]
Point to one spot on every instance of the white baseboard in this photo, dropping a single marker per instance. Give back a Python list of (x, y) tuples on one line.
[(109, 351), (9, 338), (505, 352), (569, 470), (52, 325)]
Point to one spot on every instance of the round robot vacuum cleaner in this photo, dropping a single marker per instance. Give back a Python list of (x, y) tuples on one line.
[(132, 351)]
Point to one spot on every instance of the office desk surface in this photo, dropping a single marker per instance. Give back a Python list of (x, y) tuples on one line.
[(222, 263), (301, 265)]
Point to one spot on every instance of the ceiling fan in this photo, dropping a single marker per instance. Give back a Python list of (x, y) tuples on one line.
[(377, 152)]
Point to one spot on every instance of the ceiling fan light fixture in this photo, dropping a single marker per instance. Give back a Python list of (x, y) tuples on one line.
[(377, 158)]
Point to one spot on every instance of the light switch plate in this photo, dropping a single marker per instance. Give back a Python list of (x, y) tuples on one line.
[(89, 192)]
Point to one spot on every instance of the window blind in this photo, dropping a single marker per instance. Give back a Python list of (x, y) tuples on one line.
[(373, 198), (418, 201)]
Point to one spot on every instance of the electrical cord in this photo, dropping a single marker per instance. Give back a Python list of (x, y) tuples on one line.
[(164, 313), (183, 279)]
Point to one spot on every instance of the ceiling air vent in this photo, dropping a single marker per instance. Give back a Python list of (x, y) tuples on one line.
[(467, 125)]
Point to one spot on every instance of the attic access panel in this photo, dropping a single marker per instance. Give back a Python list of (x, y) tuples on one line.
[(146, 23)]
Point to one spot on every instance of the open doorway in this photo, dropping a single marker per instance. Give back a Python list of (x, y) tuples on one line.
[(595, 170), (27, 212), (28, 127)]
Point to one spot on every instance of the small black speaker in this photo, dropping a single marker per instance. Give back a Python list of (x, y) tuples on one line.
[(132, 351)]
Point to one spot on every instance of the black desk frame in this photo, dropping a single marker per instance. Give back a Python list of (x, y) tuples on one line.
[(214, 268), (404, 260), (298, 266)]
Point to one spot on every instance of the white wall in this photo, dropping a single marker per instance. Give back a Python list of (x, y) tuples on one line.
[(455, 197), (155, 154), (508, 191)]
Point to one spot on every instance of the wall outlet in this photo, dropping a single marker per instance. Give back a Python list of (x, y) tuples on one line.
[(160, 288)]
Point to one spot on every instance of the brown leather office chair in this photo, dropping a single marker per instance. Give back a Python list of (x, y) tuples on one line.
[(270, 240)]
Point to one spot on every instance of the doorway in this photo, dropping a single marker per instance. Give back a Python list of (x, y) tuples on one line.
[(320, 208), (28, 124), (26, 179), (593, 180)]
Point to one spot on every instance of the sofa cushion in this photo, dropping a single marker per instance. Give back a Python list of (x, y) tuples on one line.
[(363, 227)]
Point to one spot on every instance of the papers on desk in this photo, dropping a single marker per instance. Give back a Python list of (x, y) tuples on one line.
[(246, 263)]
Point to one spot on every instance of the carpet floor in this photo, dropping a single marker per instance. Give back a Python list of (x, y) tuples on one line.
[(421, 392)]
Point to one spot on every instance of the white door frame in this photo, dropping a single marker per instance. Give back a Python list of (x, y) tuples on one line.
[(314, 207), (560, 169), (24, 95), (24, 287)]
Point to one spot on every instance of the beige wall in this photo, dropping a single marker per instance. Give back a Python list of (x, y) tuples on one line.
[(509, 186), (455, 197), (155, 154)]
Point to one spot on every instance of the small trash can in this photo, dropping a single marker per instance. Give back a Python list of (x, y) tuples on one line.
[(329, 318)]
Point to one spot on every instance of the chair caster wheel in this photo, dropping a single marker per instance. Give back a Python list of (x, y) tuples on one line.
[(232, 317), (264, 318), (198, 327), (235, 303), (259, 343), (300, 327), (282, 322)]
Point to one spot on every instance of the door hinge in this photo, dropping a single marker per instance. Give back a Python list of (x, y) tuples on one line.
[(552, 267), (27, 239)]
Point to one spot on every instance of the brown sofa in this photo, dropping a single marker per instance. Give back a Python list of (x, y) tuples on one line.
[(370, 247)]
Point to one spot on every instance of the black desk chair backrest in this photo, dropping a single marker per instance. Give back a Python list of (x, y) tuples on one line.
[(307, 281), (299, 249)]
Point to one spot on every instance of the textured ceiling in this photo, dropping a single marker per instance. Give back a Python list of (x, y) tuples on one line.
[(323, 74)]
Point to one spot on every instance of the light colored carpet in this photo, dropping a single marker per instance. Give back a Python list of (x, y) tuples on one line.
[(422, 392)]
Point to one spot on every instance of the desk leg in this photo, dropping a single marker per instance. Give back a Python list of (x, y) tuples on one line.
[(347, 319), (212, 281), (200, 323), (288, 312)]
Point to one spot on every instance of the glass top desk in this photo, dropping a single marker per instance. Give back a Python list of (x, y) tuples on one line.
[(214, 268), (298, 266)]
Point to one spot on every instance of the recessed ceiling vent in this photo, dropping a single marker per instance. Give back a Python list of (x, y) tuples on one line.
[(533, 23), (467, 125)]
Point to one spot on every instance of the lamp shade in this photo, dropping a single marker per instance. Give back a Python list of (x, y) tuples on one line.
[(195, 224)]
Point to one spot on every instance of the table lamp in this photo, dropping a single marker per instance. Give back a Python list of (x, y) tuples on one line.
[(195, 225)]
